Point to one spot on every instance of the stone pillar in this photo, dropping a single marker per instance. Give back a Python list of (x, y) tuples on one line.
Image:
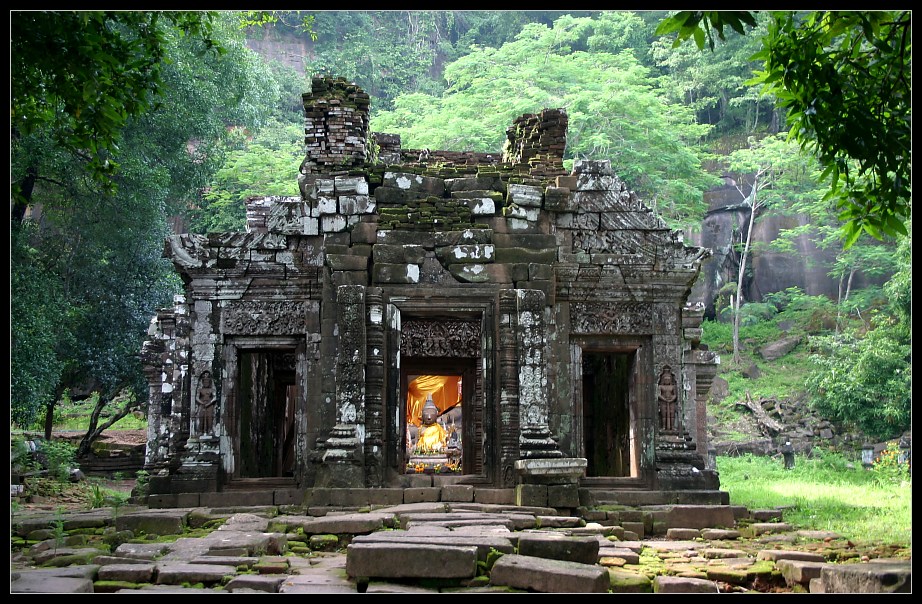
[(342, 458), (152, 359), (507, 344), (535, 439), (545, 476), (374, 390), (335, 128)]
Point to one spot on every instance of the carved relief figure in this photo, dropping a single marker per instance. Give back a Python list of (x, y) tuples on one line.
[(205, 404), (667, 398)]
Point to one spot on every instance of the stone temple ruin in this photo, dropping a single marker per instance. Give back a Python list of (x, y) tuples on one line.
[(419, 319)]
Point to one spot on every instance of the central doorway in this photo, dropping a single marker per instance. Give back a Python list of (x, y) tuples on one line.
[(440, 427)]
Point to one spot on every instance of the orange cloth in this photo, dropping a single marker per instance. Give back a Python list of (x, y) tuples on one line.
[(445, 390)]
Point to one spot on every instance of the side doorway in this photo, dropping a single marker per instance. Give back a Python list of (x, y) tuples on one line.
[(262, 409)]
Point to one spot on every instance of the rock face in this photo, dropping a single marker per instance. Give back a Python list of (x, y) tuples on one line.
[(770, 271), (554, 303)]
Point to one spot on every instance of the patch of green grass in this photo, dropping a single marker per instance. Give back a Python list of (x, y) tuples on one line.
[(824, 492), (75, 415)]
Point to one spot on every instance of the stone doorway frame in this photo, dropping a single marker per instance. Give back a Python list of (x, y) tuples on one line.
[(641, 404), (478, 308), (234, 348)]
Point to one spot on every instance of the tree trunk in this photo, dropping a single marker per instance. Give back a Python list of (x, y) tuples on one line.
[(753, 207), (739, 284), (49, 410), (93, 432), (22, 195)]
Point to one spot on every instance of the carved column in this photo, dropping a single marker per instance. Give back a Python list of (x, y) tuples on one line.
[(342, 459), (152, 358), (374, 390), (535, 439), (508, 386)]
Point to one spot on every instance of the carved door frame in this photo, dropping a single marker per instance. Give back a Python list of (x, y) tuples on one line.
[(640, 403), (234, 347), (399, 310)]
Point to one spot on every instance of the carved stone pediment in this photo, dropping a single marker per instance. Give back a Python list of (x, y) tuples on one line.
[(440, 338)]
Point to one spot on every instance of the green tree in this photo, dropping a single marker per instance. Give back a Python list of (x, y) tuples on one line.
[(265, 164), (87, 272), (615, 111), (863, 377), (81, 76), (845, 80)]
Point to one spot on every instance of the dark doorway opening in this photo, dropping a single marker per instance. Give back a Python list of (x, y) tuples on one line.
[(607, 426), (267, 398)]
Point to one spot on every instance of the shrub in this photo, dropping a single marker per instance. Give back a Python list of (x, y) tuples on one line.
[(60, 457), (887, 468)]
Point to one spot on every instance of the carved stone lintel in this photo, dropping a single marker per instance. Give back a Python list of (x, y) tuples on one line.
[(611, 318), (264, 318), (440, 338)]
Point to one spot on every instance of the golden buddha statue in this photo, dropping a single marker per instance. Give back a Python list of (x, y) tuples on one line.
[(432, 436)]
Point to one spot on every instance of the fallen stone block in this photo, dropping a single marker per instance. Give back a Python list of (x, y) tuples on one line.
[(549, 576)]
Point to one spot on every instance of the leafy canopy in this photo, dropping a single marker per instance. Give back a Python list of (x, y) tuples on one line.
[(614, 107), (845, 80), (84, 75)]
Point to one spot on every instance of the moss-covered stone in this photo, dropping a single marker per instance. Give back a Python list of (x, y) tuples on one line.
[(626, 581), (108, 587)]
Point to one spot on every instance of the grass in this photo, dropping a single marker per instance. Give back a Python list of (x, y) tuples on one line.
[(75, 415), (826, 492)]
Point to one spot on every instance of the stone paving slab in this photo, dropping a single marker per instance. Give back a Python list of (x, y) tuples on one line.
[(799, 571), (883, 577), (178, 573), (780, 554), (256, 583), (683, 585), (142, 551), (133, 573), (316, 583), (549, 576), (70, 579), (483, 544), (411, 560)]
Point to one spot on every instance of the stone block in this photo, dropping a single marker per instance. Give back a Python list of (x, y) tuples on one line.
[(549, 576), (466, 254), (499, 496), (480, 273), (410, 560), (420, 495), (700, 516), (398, 254), (462, 493), (395, 273), (350, 185), (364, 232), (562, 496), (524, 195), (531, 495), (554, 546), (875, 577), (340, 262)]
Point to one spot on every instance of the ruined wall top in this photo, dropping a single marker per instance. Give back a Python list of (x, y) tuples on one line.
[(337, 141), (335, 126)]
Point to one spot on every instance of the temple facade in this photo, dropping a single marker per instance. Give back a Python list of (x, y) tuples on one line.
[(421, 318)]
